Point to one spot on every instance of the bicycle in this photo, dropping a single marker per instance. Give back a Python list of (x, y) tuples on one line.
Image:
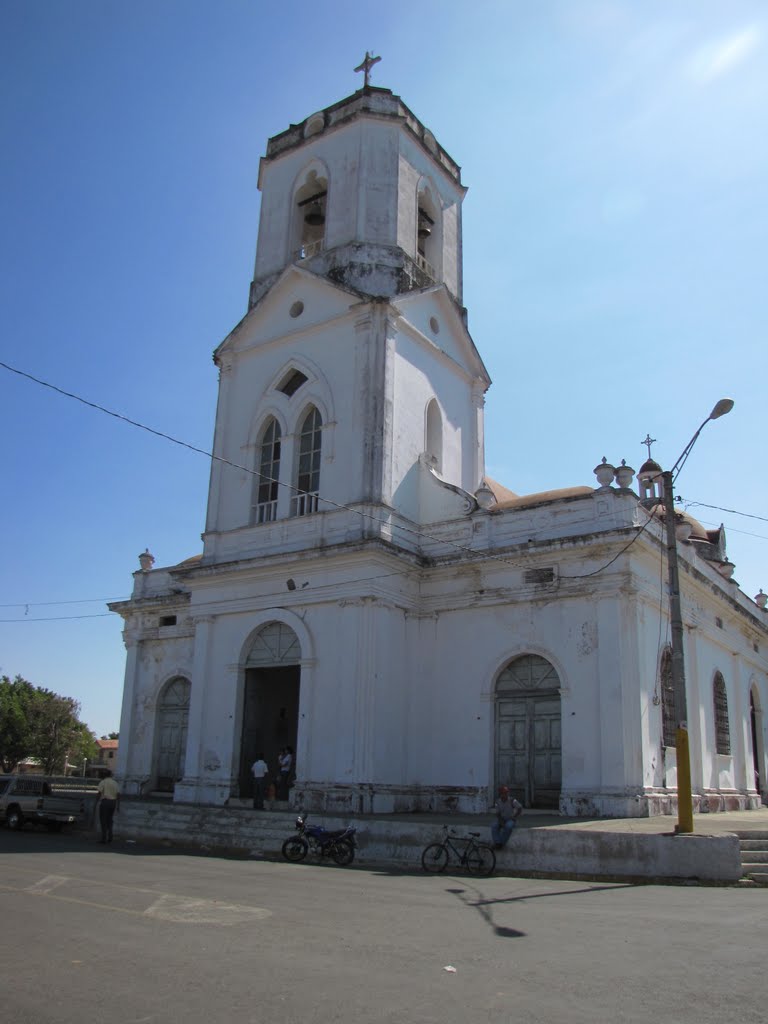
[(477, 858)]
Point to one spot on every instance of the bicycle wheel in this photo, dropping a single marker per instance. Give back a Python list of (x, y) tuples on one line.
[(481, 860), (343, 852), (435, 858), (295, 848)]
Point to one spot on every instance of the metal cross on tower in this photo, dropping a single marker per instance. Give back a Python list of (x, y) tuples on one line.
[(366, 66), (648, 442)]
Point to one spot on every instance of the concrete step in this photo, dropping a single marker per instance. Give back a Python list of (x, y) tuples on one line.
[(754, 856), (751, 834), (758, 877)]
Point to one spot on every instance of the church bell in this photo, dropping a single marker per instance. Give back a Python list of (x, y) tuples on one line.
[(314, 216), (425, 224)]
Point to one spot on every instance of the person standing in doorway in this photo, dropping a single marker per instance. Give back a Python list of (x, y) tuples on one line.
[(259, 772), (286, 767), (508, 810), (109, 803)]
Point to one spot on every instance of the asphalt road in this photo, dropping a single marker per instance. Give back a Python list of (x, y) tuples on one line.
[(136, 935)]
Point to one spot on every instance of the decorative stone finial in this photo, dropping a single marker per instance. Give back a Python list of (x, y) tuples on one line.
[(761, 600), (725, 569), (146, 560), (624, 475), (604, 473)]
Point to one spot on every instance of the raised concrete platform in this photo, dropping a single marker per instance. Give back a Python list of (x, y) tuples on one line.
[(636, 849)]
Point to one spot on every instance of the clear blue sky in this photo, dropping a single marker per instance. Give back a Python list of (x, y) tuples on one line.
[(615, 232)]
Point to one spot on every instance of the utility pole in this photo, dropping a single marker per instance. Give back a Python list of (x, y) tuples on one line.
[(684, 789)]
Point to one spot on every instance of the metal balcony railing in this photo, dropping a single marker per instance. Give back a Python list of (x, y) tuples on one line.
[(304, 504), (266, 512)]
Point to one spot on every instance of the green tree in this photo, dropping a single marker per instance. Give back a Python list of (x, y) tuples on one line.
[(17, 700), (35, 722)]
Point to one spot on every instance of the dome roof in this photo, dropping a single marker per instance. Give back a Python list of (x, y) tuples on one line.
[(650, 466), (194, 560)]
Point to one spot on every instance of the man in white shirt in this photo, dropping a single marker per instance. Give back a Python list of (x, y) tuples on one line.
[(258, 771), (109, 802)]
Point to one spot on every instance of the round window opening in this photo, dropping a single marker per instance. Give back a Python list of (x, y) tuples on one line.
[(296, 309)]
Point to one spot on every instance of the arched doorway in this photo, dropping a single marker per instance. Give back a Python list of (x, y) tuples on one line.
[(173, 716), (270, 699), (528, 750)]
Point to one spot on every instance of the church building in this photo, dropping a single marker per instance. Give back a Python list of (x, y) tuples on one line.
[(415, 632)]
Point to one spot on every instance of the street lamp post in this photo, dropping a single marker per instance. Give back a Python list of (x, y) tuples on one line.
[(684, 789)]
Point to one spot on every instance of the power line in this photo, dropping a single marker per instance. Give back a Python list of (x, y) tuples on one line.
[(717, 508), (420, 534), (43, 604), (60, 618)]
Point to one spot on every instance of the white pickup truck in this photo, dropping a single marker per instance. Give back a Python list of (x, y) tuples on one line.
[(29, 798)]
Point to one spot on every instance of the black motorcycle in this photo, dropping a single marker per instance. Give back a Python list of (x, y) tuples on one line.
[(339, 845)]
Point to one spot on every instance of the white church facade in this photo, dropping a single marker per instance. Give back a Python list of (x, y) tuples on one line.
[(366, 595)]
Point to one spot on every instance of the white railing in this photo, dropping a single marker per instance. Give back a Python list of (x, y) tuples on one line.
[(309, 249), (266, 512), (303, 504), (426, 266)]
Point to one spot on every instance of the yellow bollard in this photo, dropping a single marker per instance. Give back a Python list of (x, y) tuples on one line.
[(684, 794)]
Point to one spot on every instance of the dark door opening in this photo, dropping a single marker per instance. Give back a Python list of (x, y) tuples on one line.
[(755, 748), (270, 719)]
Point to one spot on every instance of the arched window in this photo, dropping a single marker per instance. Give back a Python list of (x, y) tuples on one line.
[(269, 473), (668, 720), (308, 464), (435, 435), (309, 216), (722, 728)]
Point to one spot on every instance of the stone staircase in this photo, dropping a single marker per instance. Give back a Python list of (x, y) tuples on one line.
[(754, 857)]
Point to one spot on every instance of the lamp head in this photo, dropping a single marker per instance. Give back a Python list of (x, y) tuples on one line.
[(723, 406)]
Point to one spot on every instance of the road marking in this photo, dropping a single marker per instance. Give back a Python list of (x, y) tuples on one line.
[(189, 911), (47, 884), (167, 907)]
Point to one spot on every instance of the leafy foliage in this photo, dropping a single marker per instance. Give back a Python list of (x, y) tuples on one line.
[(35, 722)]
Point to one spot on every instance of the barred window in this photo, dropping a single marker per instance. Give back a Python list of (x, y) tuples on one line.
[(722, 729), (668, 722)]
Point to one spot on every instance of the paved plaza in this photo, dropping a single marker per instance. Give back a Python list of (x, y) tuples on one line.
[(139, 934)]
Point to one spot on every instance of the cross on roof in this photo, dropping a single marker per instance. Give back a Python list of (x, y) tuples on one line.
[(648, 442), (366, 66)]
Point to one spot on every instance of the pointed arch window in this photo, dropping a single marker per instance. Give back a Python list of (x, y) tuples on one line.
[(722, 727), (269, 473), (308, 464), (668, 722)]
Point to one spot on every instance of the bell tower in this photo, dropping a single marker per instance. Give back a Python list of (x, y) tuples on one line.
[(351, 393), (363, 194)]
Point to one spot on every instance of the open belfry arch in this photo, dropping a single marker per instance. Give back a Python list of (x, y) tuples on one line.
[(363, 580)]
